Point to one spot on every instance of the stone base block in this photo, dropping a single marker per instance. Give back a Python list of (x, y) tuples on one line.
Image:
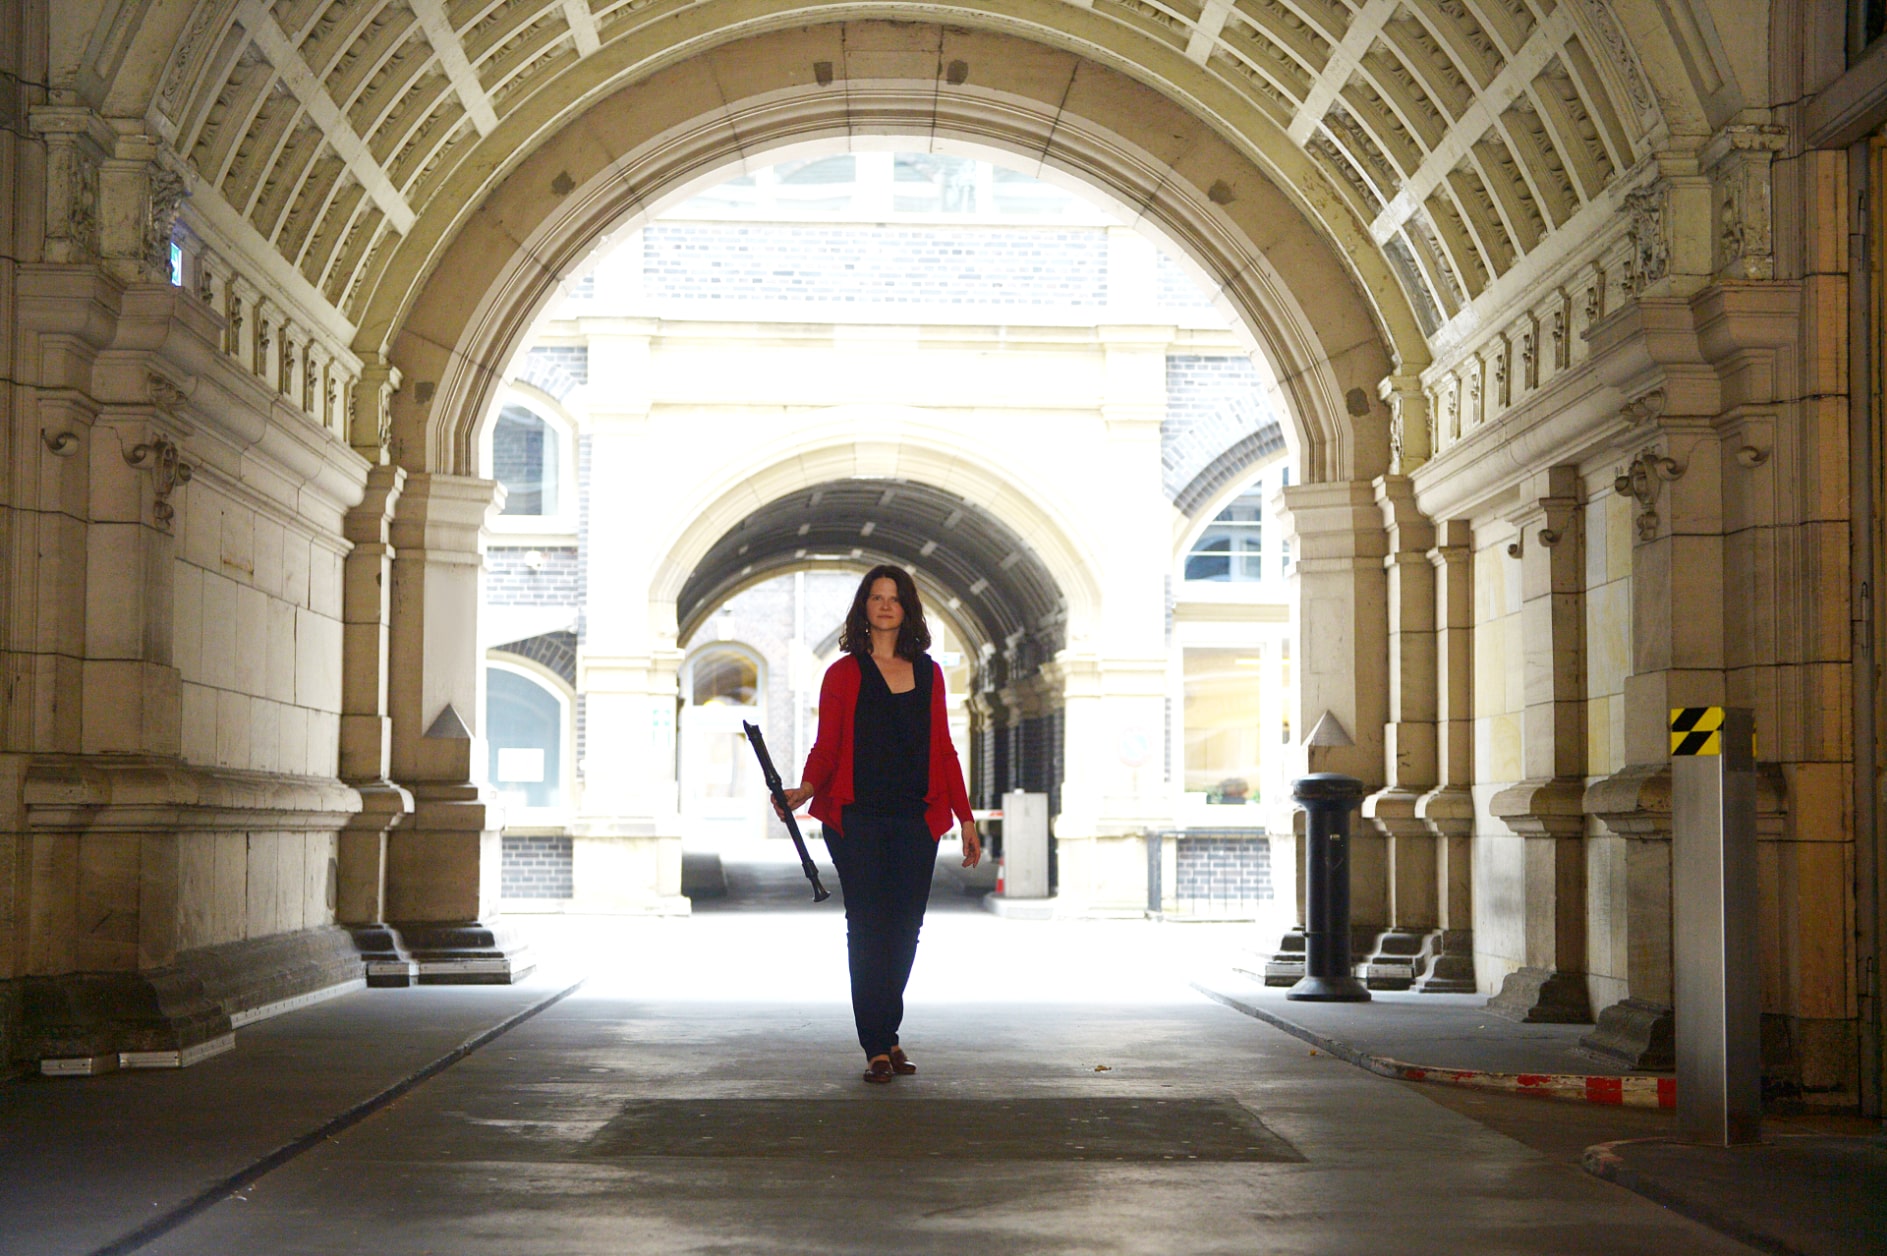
[(468, 952), (1637, 1033), (1452, 971), (260, 977), (83, 1016), (1541, 997), (1286, 965), (174, 1016), (385, 959), (1434, 960)]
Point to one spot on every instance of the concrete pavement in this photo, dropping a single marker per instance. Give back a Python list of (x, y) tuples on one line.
[(603, 1122)]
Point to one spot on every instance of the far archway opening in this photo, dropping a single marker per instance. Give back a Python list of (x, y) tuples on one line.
[(893, 354)]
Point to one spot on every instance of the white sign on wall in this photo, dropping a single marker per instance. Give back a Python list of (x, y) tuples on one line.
[(521, 764)]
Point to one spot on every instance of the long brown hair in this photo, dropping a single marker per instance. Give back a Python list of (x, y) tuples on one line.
[(913, 633)]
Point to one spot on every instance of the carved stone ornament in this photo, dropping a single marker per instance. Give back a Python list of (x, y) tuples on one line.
[(164, 460), (167, 193), (1650, 257), (1643, 480), (232, 333)]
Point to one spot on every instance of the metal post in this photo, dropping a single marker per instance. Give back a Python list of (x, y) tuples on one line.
[(1327, 799), (1156, 891), (1713, 882)]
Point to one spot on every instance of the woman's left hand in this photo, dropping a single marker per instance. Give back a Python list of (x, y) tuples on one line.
[(972, 845)]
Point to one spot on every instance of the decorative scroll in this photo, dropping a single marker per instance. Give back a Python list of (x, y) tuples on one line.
[(164, 460)]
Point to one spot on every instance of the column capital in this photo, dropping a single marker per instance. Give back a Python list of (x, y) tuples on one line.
[(445, 514)]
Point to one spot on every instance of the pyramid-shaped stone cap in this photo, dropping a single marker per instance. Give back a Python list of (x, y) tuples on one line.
[(1328, 731)]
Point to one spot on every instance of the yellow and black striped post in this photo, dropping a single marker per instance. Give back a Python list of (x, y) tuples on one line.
[(1715, 959), (1696, 731)]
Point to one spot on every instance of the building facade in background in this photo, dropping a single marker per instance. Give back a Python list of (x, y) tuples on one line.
[(892, 297)]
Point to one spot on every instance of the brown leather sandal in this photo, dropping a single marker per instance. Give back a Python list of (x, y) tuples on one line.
[(901, 1063), (879, 1070)]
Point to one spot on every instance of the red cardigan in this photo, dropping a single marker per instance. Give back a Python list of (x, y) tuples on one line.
[(829, 766)]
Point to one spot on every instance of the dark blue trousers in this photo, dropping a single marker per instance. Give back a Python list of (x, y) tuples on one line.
[(885, 865)]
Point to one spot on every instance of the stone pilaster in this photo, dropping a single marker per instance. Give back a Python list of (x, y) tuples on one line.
[(442, 866), (1545, 808), (1448, 809), (367, 729), (1409, 747), (1340, 622)]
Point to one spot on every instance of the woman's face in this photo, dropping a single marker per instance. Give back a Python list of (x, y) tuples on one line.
[(882, 606)]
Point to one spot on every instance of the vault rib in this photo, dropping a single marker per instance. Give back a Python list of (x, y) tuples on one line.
[(583, 29), (1541, 47), (287, 60), (1346, 58), (1205, 33), (445, 41)]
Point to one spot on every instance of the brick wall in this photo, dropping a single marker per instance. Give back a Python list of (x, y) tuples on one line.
[(1221, 873), (509, 580), (1212, 402), (859, 265), (535, 867), (571, 360), (1176, 289)]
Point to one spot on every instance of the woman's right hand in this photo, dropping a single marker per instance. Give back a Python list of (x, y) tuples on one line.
[(795, 799)]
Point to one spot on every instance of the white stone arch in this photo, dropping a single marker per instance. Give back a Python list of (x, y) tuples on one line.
[(899, 447), (1189, 528), (1210, 200)]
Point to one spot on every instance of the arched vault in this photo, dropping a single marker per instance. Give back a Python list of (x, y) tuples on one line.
[(1363, 183), (1001, 586)]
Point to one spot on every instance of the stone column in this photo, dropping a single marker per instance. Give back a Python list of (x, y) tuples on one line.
[(1448, 809), (1545, 809), (442, 866), (1670, 458), (626, 840), (1398, 953), (1341, 706), (367, 730)]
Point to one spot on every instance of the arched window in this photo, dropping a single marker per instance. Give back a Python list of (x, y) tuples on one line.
[(525, 458), (1232, 549), (525, 728)]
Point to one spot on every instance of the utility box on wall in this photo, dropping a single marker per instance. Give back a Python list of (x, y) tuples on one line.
[(1025, 845)]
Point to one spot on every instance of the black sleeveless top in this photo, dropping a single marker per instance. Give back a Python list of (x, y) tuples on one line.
[(891, 742)]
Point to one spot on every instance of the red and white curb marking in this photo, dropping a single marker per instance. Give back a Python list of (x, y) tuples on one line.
[(1631, 1092)]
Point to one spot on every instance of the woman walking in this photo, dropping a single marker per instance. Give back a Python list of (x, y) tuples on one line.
[(885, 784)]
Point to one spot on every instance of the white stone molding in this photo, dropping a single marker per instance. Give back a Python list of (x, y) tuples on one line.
[(445, 42), (283, 54)]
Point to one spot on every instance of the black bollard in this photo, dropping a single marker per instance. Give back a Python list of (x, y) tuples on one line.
[(1327, 799)]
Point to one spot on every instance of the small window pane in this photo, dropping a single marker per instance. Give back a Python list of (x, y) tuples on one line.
[(526, 738), (1222, 721), (524, 459), (1232, 548)]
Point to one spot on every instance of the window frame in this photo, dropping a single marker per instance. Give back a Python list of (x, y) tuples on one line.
[(559, 527), (517, 817)]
